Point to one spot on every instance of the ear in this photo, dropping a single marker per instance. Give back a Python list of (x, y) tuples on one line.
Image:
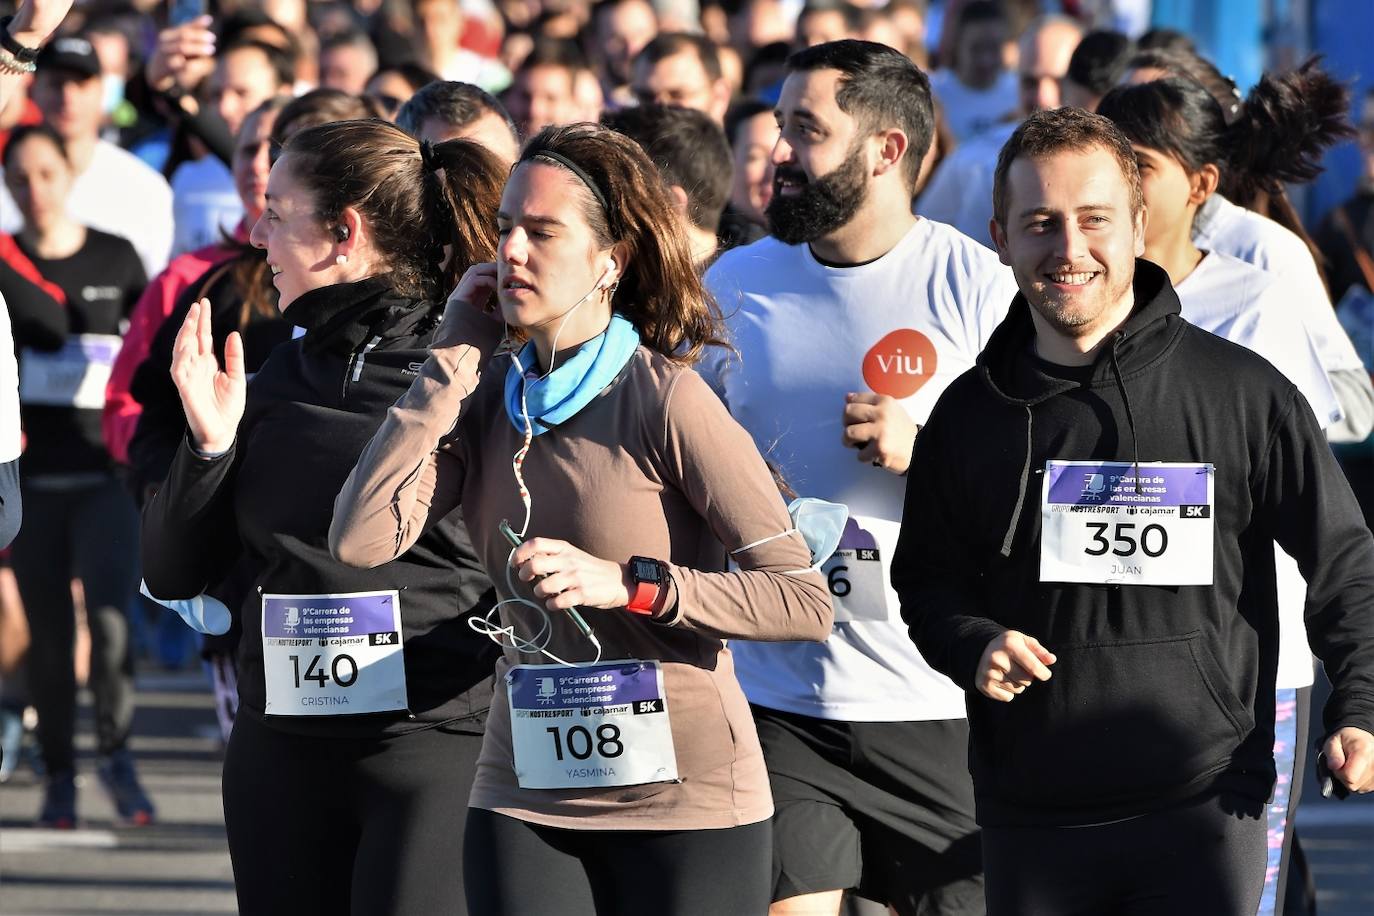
[(1203, 183), (1140, 221), (679, 195), (620, 253), (999, 241), (894, 145)]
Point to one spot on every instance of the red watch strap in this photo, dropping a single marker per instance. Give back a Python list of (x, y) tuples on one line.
[(644, 598)]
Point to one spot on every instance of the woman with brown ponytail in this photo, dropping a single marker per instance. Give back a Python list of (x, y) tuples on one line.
[(605, 487), (362, 694), (1274, 136)]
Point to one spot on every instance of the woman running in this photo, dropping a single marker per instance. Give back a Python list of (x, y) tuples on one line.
[(362, 694), (605, 486), (81, 522)]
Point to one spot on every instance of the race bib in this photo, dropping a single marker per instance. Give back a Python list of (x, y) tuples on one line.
[(74, 376), (1101, 525), (593, 727), (333, 655), (854, 575)]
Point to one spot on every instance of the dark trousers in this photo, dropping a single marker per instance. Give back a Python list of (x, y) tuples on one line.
[(333, 826), (87, 531), (515, 868), (1205, 858)]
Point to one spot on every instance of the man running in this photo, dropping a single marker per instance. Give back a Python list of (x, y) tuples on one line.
[(1088, 550), (848, 323)]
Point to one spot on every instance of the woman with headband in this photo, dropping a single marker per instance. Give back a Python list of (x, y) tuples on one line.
[(362, 694), (605, 487)]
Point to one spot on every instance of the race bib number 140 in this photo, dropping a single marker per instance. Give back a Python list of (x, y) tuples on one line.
[(1101, 523)]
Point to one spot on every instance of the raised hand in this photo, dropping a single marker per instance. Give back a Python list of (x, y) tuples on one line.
[(472, 315), (36, 20), (212, 399), (183, 56)]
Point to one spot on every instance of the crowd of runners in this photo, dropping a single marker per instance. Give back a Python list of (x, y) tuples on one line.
[(733, 457)]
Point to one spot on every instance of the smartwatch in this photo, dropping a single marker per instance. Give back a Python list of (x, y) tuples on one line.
[(649, 577)]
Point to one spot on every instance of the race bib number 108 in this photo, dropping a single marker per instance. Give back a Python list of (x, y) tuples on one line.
[(1102, 523), (590, 727)]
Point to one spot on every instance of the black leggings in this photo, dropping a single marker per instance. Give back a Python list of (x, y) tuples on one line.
[(341, 825), (514, 868), (1205, 858), (87, 531)]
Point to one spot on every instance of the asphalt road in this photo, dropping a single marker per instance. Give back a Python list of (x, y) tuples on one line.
[(180, 865)]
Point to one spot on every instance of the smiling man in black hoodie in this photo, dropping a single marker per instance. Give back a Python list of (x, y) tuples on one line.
[(1087, 549)]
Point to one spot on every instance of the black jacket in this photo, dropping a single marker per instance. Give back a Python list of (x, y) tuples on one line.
[(1159, 693), (311, 409)]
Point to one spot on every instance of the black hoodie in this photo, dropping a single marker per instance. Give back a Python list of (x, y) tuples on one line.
[(1159, 693), (311, 408)]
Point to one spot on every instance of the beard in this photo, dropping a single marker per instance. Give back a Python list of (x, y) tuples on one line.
[(821, 205), (1074, 315)]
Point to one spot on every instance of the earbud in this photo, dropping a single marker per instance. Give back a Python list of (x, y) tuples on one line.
[(610, 266), (341, 232)]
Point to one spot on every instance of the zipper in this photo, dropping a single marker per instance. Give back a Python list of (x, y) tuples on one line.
[(355, 365)]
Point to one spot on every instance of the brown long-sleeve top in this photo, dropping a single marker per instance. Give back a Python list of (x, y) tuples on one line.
[(654, 466)]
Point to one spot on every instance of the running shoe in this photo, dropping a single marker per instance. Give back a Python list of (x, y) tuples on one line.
[(59, 802), (120, 779)]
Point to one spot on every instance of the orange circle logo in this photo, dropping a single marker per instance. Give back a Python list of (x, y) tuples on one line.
[(900, 363)]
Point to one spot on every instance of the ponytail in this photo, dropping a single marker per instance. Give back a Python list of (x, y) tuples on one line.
[(1274, 136), (1286, 124), (467, 180)]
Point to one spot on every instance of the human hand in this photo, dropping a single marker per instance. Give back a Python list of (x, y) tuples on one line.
[(36, 20), (1350, 758), (1011, 663), (570, 577), (213, 400), (183, 56), (471, 315), (880, 428)]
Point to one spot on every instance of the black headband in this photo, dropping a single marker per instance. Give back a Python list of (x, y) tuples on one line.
[(579, 172)]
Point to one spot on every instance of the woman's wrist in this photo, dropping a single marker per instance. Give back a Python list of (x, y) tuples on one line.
[(20, 29), (208, 449)]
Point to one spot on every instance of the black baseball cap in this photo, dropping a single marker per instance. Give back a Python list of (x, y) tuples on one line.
[(73, 54)]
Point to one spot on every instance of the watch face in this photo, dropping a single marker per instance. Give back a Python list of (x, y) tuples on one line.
[(646, 571)]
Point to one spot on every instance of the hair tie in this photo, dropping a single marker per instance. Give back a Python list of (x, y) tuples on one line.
[(576, 170), (428, 160)]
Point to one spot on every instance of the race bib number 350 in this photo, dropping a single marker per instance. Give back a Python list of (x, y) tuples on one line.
[(1102, 523), (598, 726), (333, 655)]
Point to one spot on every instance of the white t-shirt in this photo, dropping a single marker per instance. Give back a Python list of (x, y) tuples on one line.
[(205, 204), (960, 191), (9, 389), (1247, 306), (905, 325), (1227, 228), (970, 112), (120, 194)]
